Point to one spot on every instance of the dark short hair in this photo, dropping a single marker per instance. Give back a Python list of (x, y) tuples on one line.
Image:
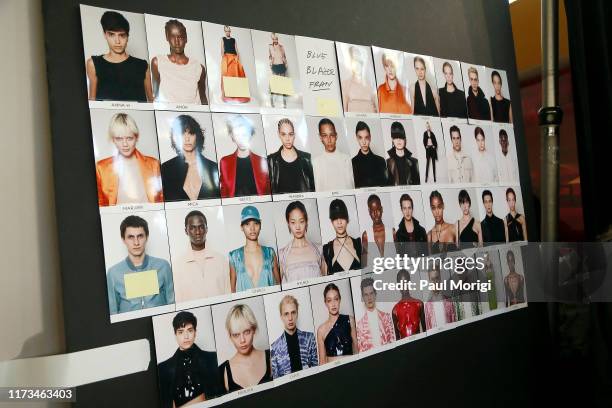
[(361, 125), (182, 319), (174, 23), (510, 190), (326, 121), (397, 131), (331, 286), (403, 272), (496, 74), (464, 197), (435, 194), (337, 209), (478, 131), (365, 283), (455, 128), (487, 193), (406, 197), (182, 124), (372, 198), (195, 213), (296, 205), (420, 59), (133, 221), (113, 21)]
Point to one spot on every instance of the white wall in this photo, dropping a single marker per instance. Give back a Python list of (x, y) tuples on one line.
[(30, 292)]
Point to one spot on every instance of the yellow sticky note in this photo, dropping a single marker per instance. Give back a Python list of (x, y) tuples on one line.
[(281, 85), (236, 87), (139, 284), (327, 107)]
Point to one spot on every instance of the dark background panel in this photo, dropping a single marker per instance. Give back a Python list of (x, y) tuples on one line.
[(465, 366)]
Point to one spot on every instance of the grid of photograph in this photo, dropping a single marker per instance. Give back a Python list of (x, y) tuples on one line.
[(247, 179)]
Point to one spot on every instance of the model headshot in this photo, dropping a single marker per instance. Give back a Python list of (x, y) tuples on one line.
[(505, 160), (452, 98), (243, 173), (290, 169), (189, 175), (369, 169), (515, 222), (443, 236), (249, 366), (343, 253), (379, 230), (460, 165), (199, 272), (127, 176), (230, 64), (336, 336), (358, 94), (431, 151), (514, 282), (375, 328), (439, 308), (424, 98), (408, 313), (485, 168), (500, 106), (333, 169), (177, 77), (469, 232), (409, 228), (294, 350), (116, 75), (252, 265), (300, 258), (402, 166), (391, 97), (134, 232), (493, 228), (191, 375), (477, 105)]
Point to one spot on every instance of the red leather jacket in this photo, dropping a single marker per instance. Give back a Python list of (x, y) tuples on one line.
[(227, 167)]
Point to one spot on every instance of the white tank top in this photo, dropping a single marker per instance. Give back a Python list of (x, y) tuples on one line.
[(178, 83)]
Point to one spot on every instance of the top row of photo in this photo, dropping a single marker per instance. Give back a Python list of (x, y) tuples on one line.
[(144, 61)]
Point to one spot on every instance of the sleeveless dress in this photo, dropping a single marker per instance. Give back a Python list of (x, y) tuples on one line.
[(243, 280), (232, 386), (515, 229), (338, 341)]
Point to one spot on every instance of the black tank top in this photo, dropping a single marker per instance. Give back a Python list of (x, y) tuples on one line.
[(122, 81), (230, 379), (430, 108), (501, 110), (229, 45), (468, 234)]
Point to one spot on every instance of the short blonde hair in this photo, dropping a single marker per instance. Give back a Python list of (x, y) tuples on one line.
[(387, 60), (239, 315), (121, 122), (288, 299), (473, 70)]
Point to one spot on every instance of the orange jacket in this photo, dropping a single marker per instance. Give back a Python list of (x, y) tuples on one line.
[(108, 180)]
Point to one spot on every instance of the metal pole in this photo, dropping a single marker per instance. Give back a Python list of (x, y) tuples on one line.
[(550, 116)]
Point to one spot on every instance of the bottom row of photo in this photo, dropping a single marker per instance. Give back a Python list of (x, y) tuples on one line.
[(235, 348)]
